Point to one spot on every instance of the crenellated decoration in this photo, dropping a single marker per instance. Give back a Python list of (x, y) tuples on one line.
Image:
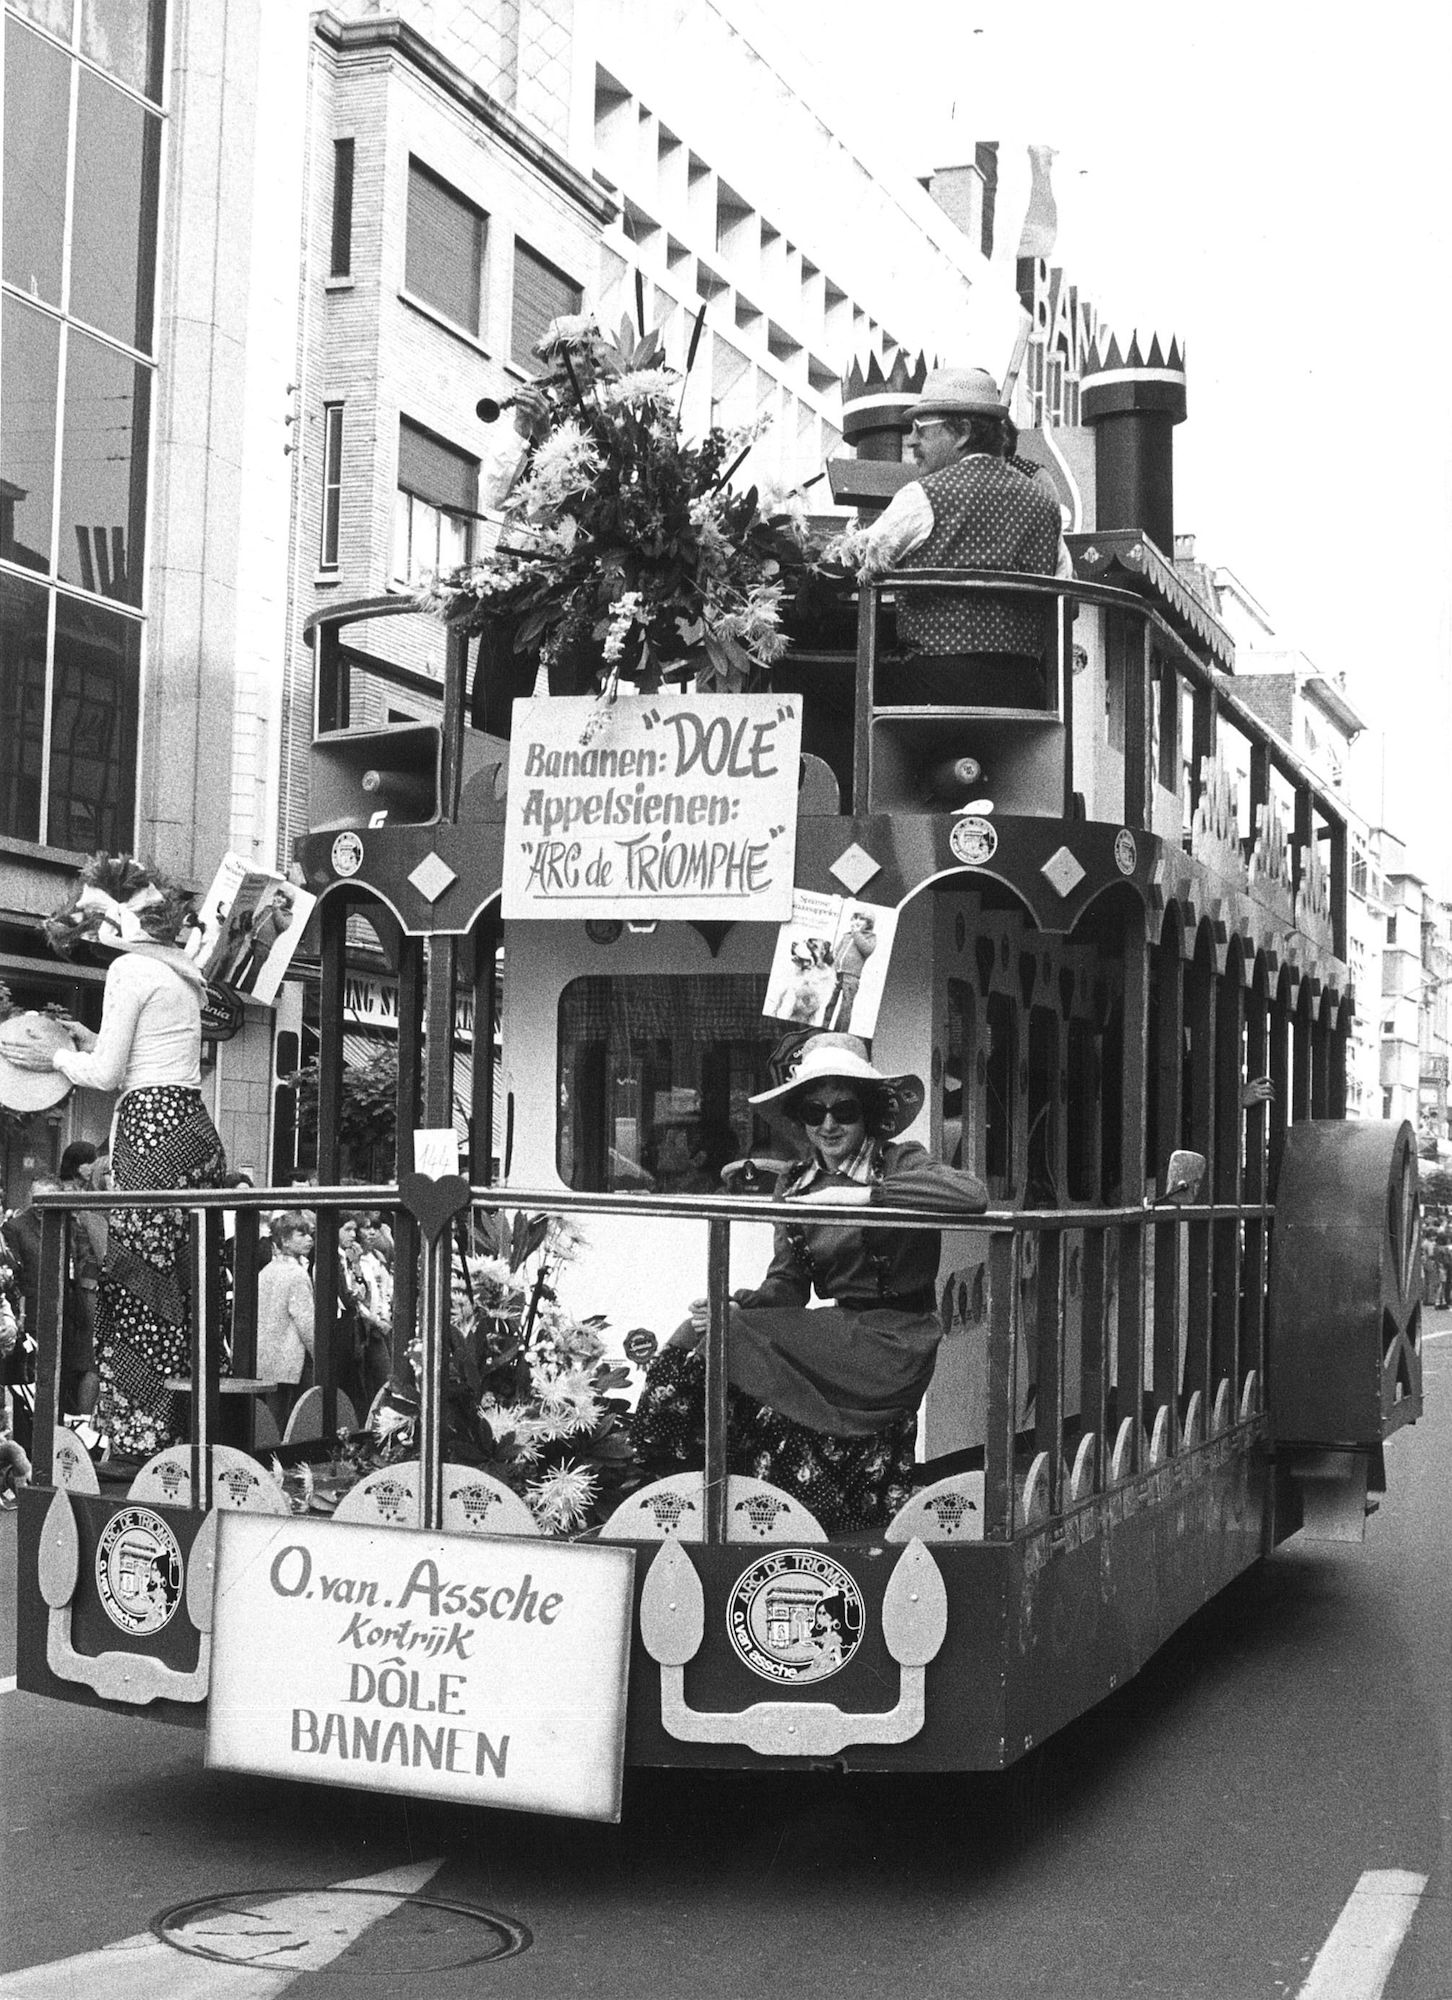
[(877, 405), (1269, 873), (1112, 365), (1215, 830), (1313, 898), (1255, 910)]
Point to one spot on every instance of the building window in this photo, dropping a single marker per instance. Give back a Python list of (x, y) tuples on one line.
[(444, 254), (438, 497), (541, 293), (1391, 930), (79, 231), (341, 264), (332, 484)]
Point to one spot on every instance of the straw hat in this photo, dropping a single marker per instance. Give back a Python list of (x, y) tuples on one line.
[(896, 1100), (27, 1081), (959, 392)]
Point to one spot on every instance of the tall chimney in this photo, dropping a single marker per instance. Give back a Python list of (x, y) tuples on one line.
[(1133, 403)]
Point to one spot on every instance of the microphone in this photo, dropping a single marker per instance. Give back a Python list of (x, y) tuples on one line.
[(489, 412)]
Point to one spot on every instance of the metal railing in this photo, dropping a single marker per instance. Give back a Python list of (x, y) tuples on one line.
[(1143, 1347)]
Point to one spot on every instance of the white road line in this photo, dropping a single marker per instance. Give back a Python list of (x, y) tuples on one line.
[(143, 1968), (1442, 1333), (1356, 1960), (7, 1683)]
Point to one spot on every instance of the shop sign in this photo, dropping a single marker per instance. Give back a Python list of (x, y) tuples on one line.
[(653, 806), (488, 1671), (372, 1002)]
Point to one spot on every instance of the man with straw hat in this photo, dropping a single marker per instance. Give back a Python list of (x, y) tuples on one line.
[(970, 509), (823, 1402)]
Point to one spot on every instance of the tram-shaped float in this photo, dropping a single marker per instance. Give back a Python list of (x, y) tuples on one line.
[(1182, 1332)]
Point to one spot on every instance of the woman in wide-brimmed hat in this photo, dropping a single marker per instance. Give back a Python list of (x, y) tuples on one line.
[(149, 1049), (823, 1402)]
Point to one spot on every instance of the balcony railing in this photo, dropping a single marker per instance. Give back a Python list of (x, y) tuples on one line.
[(1159, 1366)]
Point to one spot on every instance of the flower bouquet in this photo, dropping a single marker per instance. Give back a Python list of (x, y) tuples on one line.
[(528, 1396), (627, 553)]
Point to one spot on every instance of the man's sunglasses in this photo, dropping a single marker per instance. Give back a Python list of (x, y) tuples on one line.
[(814, 1110)]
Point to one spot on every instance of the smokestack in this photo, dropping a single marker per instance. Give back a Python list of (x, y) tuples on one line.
[(1133, 403)]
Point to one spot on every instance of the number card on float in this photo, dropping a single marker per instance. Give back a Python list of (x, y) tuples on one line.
[(653, 806), (492, 1671)]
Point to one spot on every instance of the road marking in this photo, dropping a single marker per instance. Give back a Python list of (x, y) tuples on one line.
[(7, 1684), (143, 1968), (1356, 1960), (1442, 1333)]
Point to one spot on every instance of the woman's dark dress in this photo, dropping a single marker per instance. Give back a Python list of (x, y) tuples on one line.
[(823, 1402)]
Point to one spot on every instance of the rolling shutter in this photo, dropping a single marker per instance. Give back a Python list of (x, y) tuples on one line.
[(541, 293), (444, 258), (435, 471)]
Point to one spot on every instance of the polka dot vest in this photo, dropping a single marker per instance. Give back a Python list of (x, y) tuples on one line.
[(985, 516)]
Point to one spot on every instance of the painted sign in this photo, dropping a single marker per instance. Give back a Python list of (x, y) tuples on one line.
[(653, 806), (391, 1660)]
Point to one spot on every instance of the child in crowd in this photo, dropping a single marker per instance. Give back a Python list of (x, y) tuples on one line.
[(285, 1314)]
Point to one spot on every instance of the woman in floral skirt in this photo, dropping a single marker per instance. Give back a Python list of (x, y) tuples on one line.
[(823, 1402), (148, 1048)]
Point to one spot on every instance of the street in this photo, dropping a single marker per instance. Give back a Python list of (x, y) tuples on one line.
[(1283, 1761)]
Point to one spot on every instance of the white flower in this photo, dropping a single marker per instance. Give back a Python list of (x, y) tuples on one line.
[(564, 1240), (563, 1498), (483, 579), (567, 1400), (569, 330), (850, 548), (624, 613), (565, 463), (645, 387), (754, 622)]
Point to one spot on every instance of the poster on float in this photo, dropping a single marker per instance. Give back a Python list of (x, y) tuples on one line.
[(491, 1671), (652, 807), (830, 964), (249, 926)]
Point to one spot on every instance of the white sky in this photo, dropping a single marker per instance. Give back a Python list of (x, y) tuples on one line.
[(1271, 182)]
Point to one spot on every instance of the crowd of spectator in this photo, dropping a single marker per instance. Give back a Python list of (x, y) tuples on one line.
[(287, 1279)]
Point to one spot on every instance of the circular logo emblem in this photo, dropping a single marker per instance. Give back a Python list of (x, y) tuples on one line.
[(1126, 854), (138, 1570), (973, 840), (347, 854), (795, 1616)]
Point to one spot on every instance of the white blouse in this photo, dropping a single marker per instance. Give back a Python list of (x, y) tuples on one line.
[(151, 1030)]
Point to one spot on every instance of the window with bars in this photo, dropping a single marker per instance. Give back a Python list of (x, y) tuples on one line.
[(541, 293), (332, 485), (444, 250), (438, 497)]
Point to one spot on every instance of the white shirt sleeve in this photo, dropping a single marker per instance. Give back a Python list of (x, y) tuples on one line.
[(500, 463), (105, 1065), (902, 526), (1064, 567)]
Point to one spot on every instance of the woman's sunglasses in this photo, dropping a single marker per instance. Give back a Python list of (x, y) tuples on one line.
[(814, 1110)]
